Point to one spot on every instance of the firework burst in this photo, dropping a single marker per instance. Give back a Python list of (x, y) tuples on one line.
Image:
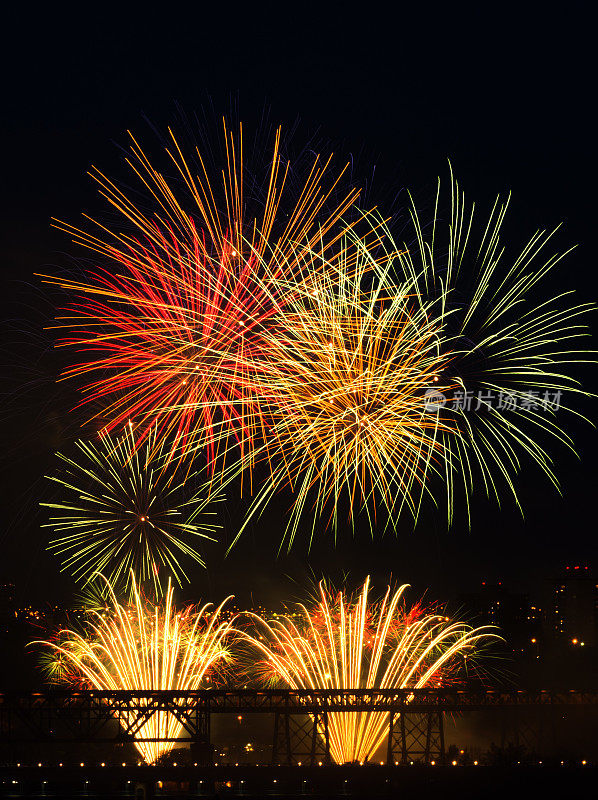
[(171, 329), (308, 346), (352, 643), (351, 360), (127, 509), (430, 367), (513, 343), (139, 647)]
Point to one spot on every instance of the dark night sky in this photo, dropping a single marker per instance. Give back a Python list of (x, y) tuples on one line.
[(508, 95)]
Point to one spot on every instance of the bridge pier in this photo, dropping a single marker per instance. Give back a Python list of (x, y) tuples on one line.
[(415, 736), (201, 748), (301, 738)]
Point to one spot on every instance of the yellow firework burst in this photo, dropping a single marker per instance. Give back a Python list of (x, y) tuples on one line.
[(126, 509), (353, 359), (515, 343)]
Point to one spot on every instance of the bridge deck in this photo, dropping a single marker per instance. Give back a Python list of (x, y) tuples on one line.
[(216, 701)]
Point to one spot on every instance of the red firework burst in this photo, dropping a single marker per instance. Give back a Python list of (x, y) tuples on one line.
[(171, 329), (172, 340)]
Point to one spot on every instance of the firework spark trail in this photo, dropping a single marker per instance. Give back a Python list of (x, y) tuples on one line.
[(140, 647), (346, 643), (173, 334), (125, 507)]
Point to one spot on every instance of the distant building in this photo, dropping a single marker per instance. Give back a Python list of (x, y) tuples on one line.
[(513, 612), (7, 606), (574, 612)]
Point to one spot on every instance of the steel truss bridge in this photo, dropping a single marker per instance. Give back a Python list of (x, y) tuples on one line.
[(414, 717)]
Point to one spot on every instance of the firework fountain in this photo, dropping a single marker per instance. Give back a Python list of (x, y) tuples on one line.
[(140, 646), (345, 642)]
